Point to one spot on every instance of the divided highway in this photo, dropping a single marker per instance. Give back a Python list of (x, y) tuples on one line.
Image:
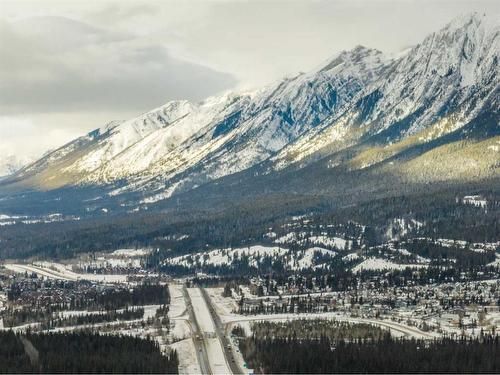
[(219, 328), (208, 337), (199, 343)]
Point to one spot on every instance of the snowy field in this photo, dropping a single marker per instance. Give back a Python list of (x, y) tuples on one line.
[(188, 362), (131, 253), (59, 271), (177, 314), (224, 306), (382, 264)]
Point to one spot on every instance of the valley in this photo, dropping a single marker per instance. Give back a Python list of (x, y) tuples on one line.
[(340, 220)]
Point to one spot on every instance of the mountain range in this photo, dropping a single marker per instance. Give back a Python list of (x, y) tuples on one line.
[(361, 124)]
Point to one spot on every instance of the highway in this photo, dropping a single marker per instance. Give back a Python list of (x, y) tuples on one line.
[(219, 329), (211, 353), (199, 342)]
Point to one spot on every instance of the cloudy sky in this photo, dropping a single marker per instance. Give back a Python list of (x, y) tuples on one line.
[(67, 67)]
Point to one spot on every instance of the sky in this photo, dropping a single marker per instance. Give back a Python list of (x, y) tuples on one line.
[(68, 67)]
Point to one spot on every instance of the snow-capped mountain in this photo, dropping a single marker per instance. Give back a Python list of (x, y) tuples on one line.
[(191, 143), (435, 88), (360, 101)]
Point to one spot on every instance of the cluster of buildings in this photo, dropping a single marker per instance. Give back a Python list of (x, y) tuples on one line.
[(468, 308)]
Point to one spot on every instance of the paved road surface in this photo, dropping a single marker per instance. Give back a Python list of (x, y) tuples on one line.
[(199, 342), (217, 360), (219, 330)]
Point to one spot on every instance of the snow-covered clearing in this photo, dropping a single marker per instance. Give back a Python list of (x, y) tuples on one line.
[(336, 242), (130, 253), (378, 264), (177, 313), (307, 257), (224, 306)]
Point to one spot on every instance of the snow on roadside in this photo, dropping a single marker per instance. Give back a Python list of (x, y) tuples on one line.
[(201, 312), (177, 313), (188, 362)]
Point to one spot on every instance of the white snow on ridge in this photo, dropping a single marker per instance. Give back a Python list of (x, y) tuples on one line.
[(438, 86), (320, 240)]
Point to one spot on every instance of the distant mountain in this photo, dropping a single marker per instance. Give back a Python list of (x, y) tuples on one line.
[(429, 114)]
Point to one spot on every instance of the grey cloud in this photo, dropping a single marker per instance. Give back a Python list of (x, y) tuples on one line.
[(63, 65)]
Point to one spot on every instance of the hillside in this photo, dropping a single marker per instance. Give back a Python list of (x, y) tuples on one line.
[(362, 123)]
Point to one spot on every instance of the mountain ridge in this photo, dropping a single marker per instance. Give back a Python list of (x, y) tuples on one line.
[(361, 109)]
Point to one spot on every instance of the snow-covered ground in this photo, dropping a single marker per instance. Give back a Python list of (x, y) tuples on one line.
[(307, 257), (131, 253), (215, 353), (324, 240), (59, 271), (294, 260), (223, 305), (177, 314), (321, 240), (382, 264), (225, 256), (188, 362)]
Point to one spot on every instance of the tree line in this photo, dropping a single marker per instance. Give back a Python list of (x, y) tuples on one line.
[(82, 352), (298, 355)]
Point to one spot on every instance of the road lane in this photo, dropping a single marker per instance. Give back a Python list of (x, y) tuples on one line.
[(197, 337), (215, 352), (220, 331)]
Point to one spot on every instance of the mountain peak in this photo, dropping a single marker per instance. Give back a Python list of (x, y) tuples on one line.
[(356, 55), (473, 20)]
